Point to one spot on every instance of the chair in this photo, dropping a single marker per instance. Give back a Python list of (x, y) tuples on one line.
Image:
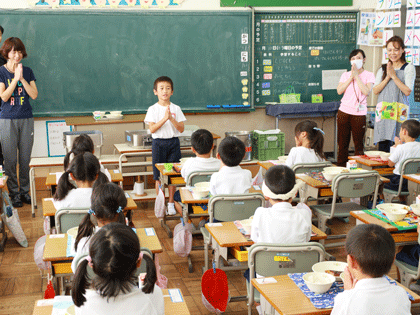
[(262, 260), (66, 219), (347, 185), (229, 208), (199, 176), (407, 273), (300, 168), (408, 166)]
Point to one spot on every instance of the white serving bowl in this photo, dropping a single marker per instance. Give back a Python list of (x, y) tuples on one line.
[(98, 114), (394, 211), (332, 171), (323, 266), (385, 156), (203, 185), (415, 207), (73, 231), (373, 153), (318, 282), (183, 160), (200, 193), (115, 112), (282, 158)]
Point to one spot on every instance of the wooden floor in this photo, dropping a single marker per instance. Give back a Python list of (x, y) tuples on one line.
[(21, 283)]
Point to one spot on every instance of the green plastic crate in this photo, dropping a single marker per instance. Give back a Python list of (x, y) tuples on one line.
[(267, 146)]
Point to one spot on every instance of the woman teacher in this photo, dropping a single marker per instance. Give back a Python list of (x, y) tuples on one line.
[(394, 83), (17, 85), (356, 85)]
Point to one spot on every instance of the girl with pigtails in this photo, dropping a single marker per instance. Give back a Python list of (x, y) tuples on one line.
[(84, 170), (114, 256), (107, 204)]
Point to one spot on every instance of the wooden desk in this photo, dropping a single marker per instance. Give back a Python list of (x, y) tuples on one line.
[(48, 209), (284, 294), (400, 237), (3, 182), (371, 165), (47, 162), (171, 308), (52, 178)]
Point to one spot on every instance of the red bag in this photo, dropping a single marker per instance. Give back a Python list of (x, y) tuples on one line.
[(214, 290), (49, 292)]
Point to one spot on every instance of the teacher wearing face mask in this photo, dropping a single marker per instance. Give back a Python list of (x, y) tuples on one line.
[(356, 85), (394, 82)]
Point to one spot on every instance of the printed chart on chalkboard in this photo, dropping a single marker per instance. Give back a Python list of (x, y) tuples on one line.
[(308, 52)]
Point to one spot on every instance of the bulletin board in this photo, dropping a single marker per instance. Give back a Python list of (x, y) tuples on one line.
[(308, 51)]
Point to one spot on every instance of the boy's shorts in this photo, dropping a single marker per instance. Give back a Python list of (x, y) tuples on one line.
[(165, 151), (395, 182)]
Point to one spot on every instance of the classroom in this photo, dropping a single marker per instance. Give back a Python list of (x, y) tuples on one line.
[(92, 57)]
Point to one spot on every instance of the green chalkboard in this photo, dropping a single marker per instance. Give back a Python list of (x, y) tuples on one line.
[(285, 3), (101, 60), (305, 50)]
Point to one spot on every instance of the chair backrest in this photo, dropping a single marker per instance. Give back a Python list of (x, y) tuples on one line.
[(234, 207), (141, 269), (198, 177), (267, 259), (66, 219), (408, 166), (300, 168)]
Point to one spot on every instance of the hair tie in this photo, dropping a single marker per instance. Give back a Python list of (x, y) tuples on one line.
[(141, 255), (268, 193), (119, 209), (91, 212), (320, 130), (89, 259)]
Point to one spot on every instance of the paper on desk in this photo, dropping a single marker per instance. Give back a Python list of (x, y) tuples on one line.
[(256, 187), (358, 212), (175, 295), (57, 235), (415, 176), (266, 280), (45, 302), (116, 171), (150, 231), (62, 305), (48, 199), (70, 246), (57, 176), (126, 195), (214, 224)]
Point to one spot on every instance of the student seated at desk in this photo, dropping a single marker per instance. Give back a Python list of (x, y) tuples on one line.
[(85, 170), (231, 178), (114, 256), (108, 201), (370, 254), (309, 144), (82, 144), (282, 223), (201, 145), (405, 147)]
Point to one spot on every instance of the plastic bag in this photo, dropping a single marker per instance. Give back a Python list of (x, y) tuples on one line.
[(258, 179), (162, 281), (11, 219), (47, 225), (160, 207), (183, 239), (39, 253)]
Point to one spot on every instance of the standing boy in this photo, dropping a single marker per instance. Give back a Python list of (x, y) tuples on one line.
[(166, 123)]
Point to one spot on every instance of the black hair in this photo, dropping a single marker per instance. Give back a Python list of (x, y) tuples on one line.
[(106, 199), (81, 144), (280, 179), (202, 141), (163, 79), (396, 41), (315, 137), (1, 30), (231, 151), (413, 128), (85, 167), (114, 250), (355, 52), (373, 248)]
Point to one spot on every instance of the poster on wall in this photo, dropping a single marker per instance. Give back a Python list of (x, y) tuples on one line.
[(369, 34)]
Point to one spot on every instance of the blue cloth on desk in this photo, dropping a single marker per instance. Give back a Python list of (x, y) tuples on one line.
[(302, 108)]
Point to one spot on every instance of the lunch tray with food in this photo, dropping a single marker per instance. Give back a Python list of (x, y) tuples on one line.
[(408, 223)]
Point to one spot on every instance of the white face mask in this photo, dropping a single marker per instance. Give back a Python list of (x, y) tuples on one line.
[(358, 63)]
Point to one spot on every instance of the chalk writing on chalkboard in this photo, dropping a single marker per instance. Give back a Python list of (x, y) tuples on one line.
[(295, 49)]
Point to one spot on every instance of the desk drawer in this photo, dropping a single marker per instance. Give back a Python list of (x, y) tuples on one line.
[(241, 255)]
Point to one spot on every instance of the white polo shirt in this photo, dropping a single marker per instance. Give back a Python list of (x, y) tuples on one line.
[(156, 112), (199, 164), (302, 155), (230, 181), (402, 152)]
